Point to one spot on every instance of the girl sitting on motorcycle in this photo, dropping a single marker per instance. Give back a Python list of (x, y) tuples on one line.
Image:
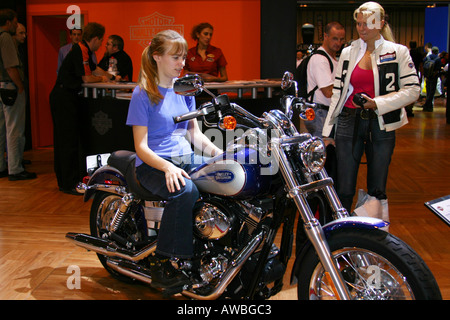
[(163, 151)]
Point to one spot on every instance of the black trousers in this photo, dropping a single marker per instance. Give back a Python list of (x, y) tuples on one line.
[(431, 84), (69, 164)]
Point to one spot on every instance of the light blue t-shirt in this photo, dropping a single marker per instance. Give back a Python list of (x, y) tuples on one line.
[(165, 137)]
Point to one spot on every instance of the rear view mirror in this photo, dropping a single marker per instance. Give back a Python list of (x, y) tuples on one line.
[(189, 85)]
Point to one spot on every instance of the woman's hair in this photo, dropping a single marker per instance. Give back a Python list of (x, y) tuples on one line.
[(198, 28), (373, 8), (167, 41)]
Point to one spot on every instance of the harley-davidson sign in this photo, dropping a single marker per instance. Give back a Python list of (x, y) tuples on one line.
[(150, 25)]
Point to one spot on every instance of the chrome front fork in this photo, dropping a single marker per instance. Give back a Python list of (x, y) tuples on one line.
[(312, 226)]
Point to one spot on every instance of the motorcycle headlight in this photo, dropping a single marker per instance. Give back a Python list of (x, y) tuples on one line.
[(313, 154)]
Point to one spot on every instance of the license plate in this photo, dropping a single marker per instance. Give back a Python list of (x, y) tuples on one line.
[(96, 161)]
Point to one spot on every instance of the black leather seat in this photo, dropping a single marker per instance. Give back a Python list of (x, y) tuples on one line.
[(124, 161)]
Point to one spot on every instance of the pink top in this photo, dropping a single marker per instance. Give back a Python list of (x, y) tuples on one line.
[(362, 81)]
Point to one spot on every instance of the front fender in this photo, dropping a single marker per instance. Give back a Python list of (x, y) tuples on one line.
[(366, 223), (354, 222), (106, 178)]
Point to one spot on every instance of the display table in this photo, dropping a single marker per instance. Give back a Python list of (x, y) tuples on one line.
[(106, 109), (112, 89)]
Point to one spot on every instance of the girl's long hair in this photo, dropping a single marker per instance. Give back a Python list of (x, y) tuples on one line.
[(373, 8), (167, 41)]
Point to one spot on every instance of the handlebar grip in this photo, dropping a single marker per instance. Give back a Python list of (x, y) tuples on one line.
[(302, 102), (186, 116), (204, 110)]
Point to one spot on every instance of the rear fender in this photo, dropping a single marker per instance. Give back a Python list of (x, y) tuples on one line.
[(365, 223), (107, 179)]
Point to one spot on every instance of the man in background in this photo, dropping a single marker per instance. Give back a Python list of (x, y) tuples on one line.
[(13, 101), (65, 104), (431, 76), (321, 75), (75, 37), (116, 61)]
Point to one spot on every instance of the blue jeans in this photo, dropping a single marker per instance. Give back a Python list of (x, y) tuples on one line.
[(315, 126), (175, 234), (378, 146)]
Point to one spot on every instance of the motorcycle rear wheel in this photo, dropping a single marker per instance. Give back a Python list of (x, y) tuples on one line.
[(375, 265), (103, 208)]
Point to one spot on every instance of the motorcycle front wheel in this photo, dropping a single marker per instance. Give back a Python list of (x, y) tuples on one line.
[(374, 264)]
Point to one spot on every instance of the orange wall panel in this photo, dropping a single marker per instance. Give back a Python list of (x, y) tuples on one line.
[(236, 25), (236, 31)]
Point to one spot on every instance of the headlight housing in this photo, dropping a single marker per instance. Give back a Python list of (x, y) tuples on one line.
[(313, 154)]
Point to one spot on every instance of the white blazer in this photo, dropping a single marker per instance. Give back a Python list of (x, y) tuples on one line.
[(396, 83)]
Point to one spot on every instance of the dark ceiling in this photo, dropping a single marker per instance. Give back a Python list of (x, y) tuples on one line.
[(354, 4)]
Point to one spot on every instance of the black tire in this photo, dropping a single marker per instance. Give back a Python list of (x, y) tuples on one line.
[(392, 270), (102, 210)]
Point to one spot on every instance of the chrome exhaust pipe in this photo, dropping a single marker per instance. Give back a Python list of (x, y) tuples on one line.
[(109, 248), (135, 271), (231, 272), (130, 269)]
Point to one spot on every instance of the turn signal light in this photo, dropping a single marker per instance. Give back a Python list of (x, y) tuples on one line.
[(229, 123), (310, 114)]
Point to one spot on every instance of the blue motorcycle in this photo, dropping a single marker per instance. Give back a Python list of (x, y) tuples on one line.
[(258, 188)]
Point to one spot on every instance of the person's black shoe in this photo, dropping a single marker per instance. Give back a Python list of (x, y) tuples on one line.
[(4, 173), (24, 175), (165, 276)]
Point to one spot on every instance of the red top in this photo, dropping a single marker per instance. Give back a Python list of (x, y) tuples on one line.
[(362, 82), (214, 60)]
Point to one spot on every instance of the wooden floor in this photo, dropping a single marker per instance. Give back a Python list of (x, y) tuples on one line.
[(36, 260)]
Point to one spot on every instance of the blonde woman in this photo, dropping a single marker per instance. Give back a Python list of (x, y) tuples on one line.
[(384, 74), (163, 149)]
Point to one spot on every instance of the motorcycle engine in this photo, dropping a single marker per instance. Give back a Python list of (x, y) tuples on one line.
[(215, 218), (211, 223)]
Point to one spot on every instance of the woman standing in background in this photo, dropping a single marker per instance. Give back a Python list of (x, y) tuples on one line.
[(383, 73), (204, 59)]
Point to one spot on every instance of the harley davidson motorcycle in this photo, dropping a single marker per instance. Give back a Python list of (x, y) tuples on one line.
[(257, 189)]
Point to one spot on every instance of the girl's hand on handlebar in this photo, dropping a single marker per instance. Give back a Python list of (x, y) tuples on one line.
[(174, 176)]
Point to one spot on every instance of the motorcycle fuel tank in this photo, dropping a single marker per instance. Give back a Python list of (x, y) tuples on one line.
[(233, 174)]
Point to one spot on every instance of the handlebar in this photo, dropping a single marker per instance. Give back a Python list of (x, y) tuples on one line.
[(193, 84), (208, 108), (302, 103), (205, 110)]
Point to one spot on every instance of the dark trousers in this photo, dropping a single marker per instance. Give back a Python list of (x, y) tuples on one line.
[(378, 146), (69, 164), (431, 84)]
